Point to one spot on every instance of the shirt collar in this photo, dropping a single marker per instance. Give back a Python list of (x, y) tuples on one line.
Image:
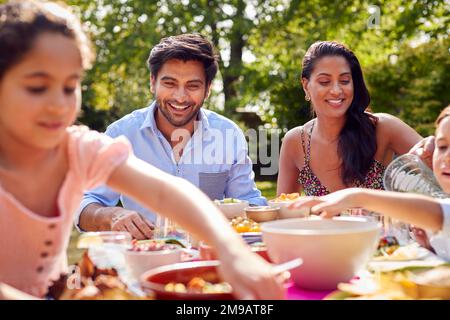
[(149, 121)]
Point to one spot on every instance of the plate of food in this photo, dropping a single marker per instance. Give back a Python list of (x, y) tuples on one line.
[(283, 201), (244, 225), (390, 250)]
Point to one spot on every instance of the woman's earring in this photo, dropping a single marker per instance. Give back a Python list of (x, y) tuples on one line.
[(307, 98)]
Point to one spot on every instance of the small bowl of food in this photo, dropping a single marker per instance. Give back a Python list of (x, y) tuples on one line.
[(245, 225), (148, 254), (231, 207), (283, 201), (262, 213), (197, 280)]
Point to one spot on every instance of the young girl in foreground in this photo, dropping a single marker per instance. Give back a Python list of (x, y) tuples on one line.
[(422, 211), (46, 164)]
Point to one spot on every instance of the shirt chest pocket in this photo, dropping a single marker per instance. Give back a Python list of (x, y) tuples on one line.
[(213, 183)]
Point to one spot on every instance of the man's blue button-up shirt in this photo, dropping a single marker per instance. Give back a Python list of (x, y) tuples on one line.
[(215, 159)]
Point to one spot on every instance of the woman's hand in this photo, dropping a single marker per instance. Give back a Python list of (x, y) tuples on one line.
[(421, 237), (329, 205), (424, 150)]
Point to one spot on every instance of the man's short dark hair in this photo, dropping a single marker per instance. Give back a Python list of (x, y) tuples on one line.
[(184, 47)]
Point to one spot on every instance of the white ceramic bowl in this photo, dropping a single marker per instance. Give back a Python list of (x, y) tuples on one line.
[(333, 250), (285, 213), (231, 210), (142, 261)]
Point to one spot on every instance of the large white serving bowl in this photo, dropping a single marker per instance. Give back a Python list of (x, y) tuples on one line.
[(333, 250), (232, 210), (286, 213)]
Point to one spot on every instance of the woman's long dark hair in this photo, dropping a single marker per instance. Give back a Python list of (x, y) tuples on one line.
[(357, 140)]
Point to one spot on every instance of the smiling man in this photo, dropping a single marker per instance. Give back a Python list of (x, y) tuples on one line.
[(178, 136)]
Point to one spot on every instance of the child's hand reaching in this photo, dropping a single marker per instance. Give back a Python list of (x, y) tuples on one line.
[(329, 205), (250, 276)]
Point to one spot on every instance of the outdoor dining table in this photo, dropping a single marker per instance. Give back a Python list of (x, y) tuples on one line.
[(296, 293)]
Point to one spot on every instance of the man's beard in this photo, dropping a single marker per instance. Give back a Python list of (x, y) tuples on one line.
[(163, 108)]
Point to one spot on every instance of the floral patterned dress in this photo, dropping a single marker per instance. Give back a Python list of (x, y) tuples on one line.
[(312, 185)]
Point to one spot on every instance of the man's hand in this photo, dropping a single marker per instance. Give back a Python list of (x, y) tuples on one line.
[(424, 150), (95, 217), (132, 222)]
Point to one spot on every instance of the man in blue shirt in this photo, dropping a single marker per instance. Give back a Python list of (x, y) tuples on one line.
[(177, 136)]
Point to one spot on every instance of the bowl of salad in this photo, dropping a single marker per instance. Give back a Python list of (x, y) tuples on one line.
[(148, 254), (232, 207)]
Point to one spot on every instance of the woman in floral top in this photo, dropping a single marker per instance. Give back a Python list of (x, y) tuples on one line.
[(344, 145)]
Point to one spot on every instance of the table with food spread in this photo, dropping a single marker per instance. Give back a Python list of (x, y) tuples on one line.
[(342, 258)]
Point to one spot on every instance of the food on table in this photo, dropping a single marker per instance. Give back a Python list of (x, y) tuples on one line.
[(374, 287), (227, 200), (411, 251), (198, 285), (241, 225), (91, 283), (287, 197), (387, 246), (231, 207), (406, 284), (153, 245)]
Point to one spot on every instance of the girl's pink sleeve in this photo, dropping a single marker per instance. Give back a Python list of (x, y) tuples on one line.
[(94, 156)]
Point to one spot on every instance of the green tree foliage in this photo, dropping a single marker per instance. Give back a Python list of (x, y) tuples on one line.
[(280, 46), (124, 32), (413, 85), (262, 43)]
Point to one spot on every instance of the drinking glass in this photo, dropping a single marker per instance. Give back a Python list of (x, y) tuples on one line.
[(108, 239), (166, 228), (407, 173)]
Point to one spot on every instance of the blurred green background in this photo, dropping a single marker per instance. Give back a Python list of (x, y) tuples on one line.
[(403, 47)]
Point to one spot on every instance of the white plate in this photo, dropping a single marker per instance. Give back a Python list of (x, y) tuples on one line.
[(409, 252)]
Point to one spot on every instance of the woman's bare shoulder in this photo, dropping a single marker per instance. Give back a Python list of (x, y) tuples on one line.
[(387, 121), (292, 144), (395, 134), (294, 135)]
